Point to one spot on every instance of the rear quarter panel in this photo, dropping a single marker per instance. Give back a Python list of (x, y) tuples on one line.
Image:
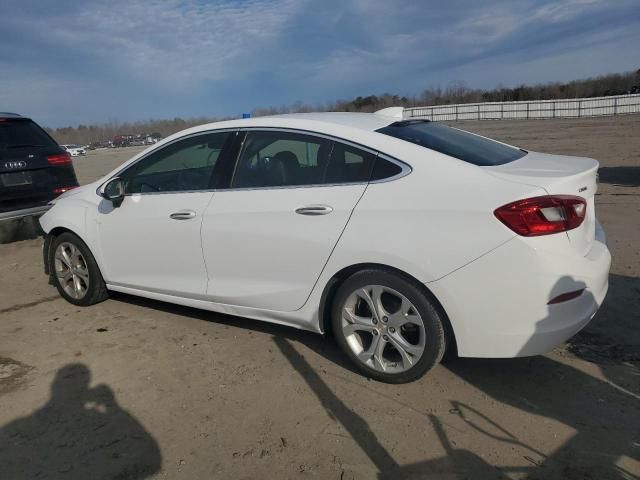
[(430, 222)]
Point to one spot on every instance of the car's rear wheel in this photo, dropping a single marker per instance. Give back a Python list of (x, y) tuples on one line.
[(75, 272), (388, 326)]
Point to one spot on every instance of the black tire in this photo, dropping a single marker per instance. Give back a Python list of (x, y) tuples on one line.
[(97, 290), (435, 337)]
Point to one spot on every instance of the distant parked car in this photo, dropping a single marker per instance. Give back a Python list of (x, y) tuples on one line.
[(401, 237), (153, 138), (98, 145), (74, 150), (34, 169)]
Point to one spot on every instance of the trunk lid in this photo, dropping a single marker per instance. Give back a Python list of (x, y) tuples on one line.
[(559, 175)]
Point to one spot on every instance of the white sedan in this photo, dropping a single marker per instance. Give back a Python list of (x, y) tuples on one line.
[(403, 238), (74, 150)]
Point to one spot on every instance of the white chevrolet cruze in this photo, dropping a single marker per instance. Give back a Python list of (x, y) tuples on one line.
[(403, 238)]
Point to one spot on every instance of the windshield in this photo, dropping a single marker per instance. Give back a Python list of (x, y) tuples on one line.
[(456, 143)]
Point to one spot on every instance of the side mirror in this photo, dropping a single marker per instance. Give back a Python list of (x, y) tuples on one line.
[(113, 190)]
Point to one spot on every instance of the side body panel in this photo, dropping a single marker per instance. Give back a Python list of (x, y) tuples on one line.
[(260, 253), (143, 247), (420, 224), (430, 222), (434, 224)]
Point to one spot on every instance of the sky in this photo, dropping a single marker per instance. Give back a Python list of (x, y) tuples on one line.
[(67, 62)]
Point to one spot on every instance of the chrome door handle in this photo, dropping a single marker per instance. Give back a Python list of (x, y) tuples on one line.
[(183, 215), (314, 210)]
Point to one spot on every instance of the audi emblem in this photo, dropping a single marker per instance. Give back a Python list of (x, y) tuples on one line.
[(18, 164)]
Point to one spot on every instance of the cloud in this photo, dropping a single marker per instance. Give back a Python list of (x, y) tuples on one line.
[(567, 9), (173, 43), (133, 59)]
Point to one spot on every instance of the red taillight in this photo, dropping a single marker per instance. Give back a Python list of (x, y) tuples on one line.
[(565, 297), (543, 215), (61, 159), (60, 190)]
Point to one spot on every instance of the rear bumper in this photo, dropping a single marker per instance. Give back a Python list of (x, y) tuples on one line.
[(498, 304), (25, 212)]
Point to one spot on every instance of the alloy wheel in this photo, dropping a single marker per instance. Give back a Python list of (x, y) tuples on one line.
[(383, 329), (72, 271)]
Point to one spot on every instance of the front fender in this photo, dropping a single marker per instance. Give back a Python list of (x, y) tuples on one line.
[(70, 218)]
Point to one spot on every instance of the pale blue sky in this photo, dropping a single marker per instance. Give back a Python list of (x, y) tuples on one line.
[(80, 61)]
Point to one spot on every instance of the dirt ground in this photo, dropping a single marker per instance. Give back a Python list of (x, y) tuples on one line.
[(133, 389)]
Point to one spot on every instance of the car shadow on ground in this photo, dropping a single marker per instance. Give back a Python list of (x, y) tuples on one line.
[(80, 433), (602, 410), (321, 344), (620, 176), (603, 413), (19, 229), (457, 463)]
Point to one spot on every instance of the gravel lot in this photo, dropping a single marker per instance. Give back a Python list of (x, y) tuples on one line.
[(133, 389)]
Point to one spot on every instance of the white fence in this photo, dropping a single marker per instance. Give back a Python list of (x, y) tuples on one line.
[(534, 109)]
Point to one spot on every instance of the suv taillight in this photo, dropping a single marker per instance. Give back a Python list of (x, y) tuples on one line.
[(61, 190), (61, 159), (543, 215)]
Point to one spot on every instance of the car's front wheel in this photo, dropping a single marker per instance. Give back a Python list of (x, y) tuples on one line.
[(75, 272), (387, 326)]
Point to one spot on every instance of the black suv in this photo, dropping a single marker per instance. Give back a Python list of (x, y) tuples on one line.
[(34, 169)]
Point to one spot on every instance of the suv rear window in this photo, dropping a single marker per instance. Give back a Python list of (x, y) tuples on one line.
[(22, 133), (456, 143)]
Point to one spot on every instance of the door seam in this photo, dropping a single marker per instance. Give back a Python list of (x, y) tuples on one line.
[(204, 260), (333, 249)]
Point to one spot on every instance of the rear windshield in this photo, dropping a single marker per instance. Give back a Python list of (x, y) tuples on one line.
[(22, 133), (453, 142)]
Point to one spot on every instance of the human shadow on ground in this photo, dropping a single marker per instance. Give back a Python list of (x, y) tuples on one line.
[(81, 433)]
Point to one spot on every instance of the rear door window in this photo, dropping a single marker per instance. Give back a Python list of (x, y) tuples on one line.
[(456, 143), (277, 159), (283, 158)]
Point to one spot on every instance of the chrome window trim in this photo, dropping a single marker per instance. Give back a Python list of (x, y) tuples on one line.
[(302, 131), (405, 168), (138, 194), (288, 187)]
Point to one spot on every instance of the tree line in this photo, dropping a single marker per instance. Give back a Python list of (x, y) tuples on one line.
[(456, 92)]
